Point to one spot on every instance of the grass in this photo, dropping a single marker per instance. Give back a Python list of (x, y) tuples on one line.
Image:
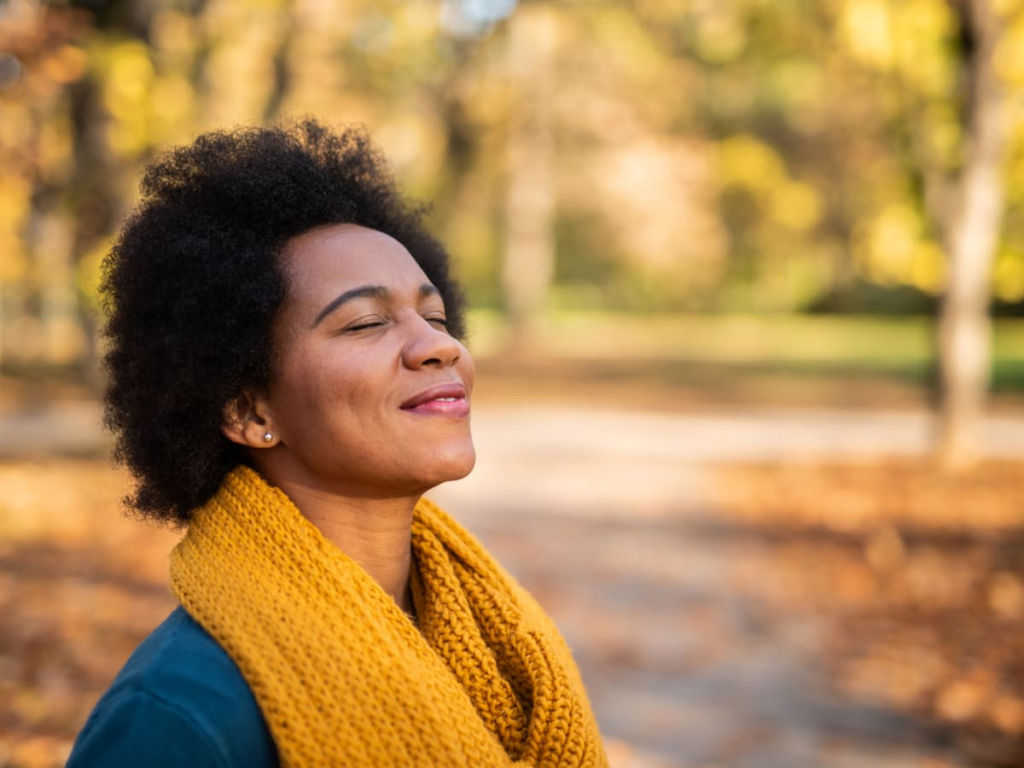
[(662, 361), (801, 346)]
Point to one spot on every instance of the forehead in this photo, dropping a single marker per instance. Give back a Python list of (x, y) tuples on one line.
[(328, 260)]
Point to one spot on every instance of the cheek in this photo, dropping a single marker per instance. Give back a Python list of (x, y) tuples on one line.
[(341, 391), (304, 390)]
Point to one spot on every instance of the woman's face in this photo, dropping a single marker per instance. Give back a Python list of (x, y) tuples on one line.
[(370, 394)]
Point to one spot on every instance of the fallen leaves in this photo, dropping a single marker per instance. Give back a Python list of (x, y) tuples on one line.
[(923, 582), (80, 586)]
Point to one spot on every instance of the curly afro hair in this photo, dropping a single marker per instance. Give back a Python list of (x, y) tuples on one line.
[(193, 285)]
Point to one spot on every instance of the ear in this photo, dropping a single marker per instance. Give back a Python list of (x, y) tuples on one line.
[(246, 422)]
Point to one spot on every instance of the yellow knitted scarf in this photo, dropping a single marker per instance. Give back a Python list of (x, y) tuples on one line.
[(342, 675)]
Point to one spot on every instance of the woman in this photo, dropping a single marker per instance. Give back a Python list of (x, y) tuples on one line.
[(287, 380)]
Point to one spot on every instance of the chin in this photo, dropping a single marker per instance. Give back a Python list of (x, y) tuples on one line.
[(450, 465), (460, 466), (465, 469)]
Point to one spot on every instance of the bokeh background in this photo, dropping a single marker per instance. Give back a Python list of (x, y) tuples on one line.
[(748, 288)]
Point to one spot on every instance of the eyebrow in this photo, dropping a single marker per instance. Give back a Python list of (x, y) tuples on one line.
[(368, 291)]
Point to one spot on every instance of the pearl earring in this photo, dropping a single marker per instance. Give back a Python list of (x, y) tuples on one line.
[(267, 437)]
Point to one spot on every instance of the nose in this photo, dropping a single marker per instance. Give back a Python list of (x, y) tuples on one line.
[(430, 345)]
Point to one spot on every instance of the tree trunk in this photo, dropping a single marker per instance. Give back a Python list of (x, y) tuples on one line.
[(529, 257), (971, 239)]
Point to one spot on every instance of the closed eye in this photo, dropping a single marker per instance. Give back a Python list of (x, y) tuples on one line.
[(364, 326)]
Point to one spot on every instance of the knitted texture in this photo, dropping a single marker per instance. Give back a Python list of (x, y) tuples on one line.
[(342, 675)]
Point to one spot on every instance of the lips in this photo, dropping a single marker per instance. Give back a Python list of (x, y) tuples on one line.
[(442, 399)]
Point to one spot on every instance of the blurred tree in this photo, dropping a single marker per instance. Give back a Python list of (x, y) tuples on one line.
[(971, 232), (529, 253), (671, 155), (41, 59)]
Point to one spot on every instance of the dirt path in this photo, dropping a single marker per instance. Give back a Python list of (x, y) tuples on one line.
[(607, 516)]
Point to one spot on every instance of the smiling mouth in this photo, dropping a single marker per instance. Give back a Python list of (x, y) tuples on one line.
[(441, 406), (443, 400)]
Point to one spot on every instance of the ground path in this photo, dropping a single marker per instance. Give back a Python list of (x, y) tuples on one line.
[(609, 517)]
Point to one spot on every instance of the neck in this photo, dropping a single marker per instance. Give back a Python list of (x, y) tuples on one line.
[(375, 532)]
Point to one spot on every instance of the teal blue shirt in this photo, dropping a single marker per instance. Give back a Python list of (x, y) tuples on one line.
[(179, 701)]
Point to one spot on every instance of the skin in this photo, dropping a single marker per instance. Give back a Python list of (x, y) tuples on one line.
[(344, 450)]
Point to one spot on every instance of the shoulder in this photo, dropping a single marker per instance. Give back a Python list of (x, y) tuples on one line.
[(179, 700)]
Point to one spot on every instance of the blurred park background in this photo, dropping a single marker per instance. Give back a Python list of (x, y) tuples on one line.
[(748, 289)]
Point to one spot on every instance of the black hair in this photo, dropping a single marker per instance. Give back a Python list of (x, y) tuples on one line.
[(194, 283)]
